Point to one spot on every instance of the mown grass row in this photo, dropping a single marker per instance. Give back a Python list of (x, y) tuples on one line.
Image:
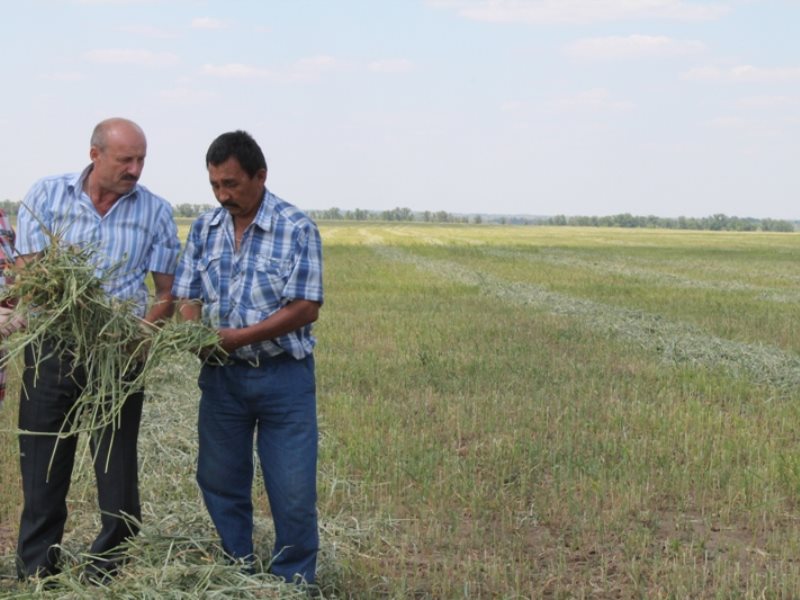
[(477, 444)]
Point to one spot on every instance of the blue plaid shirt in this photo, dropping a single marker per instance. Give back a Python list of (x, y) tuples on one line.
[(280, 260), (138, 235)]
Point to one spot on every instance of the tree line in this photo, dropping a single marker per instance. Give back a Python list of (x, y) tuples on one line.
[(395, 214), (718, 222)]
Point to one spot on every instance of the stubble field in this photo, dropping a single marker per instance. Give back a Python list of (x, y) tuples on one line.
[(510, 413)]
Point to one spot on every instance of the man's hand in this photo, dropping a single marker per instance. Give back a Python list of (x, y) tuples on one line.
[(10, 321), (229, 338), (139, 346)]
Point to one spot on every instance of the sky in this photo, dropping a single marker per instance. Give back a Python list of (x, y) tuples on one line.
[(517, 107)]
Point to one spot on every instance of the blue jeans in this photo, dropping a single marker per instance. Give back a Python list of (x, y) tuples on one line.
[(277, 402)]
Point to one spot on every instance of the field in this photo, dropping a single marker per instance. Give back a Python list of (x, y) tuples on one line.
[(511, 413)]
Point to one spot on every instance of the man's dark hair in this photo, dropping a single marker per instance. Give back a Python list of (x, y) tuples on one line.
[(240, 145)]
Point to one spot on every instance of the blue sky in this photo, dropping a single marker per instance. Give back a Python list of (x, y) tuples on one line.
[(540, 107)]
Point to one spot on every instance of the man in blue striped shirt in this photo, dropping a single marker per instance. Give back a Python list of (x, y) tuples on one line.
[(132, 230), (253, 269)]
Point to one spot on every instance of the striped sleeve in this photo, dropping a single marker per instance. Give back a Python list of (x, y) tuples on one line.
[(32, 221), (166, 246)]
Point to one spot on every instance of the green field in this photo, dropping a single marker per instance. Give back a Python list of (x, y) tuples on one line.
[(512, 413)]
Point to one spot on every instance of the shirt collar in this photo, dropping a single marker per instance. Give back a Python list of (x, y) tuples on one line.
[(263, 217), (76, 182)]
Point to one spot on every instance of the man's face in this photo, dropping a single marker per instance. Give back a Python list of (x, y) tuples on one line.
[(235, 190), (118, 166)]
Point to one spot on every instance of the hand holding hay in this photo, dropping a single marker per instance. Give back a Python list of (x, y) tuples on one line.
[(10, 321)]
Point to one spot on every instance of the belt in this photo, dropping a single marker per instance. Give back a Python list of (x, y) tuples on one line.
[(253, 361)]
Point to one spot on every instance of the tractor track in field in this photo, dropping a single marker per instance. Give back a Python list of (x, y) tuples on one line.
[(649, 276), (676, 342)]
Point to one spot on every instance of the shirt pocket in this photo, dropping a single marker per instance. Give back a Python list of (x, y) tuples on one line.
[(270, 276), (209, 269)]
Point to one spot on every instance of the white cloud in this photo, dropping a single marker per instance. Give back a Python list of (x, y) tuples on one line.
[(728, 122), (580, 11), (312, 68), (144, 58), (767, 102), (511, 106), (236, 70), (207, 23), (64, 76), (391, 65), (115, 2), (304, 70), (753, 128), (632, 46), (316, 62), (743, 74), (185, 95), (594, 99), (149, 31)]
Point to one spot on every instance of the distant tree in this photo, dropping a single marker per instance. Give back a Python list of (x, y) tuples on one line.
[(776, 225), (405, 214), (191, 210), (398, 214)]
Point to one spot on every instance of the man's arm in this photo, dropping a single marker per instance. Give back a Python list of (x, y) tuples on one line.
[(293, 316), (163, 305), (25, 258)]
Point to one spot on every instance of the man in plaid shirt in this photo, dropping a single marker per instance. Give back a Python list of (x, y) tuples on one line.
[(252, 268)]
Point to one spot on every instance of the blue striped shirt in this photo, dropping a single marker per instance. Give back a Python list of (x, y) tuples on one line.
[(136, 236), (279, 260)]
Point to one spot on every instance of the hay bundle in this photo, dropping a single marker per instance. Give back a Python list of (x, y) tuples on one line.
[(64, 303)]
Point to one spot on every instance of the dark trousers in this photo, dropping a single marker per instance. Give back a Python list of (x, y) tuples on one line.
[(49, 390)]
